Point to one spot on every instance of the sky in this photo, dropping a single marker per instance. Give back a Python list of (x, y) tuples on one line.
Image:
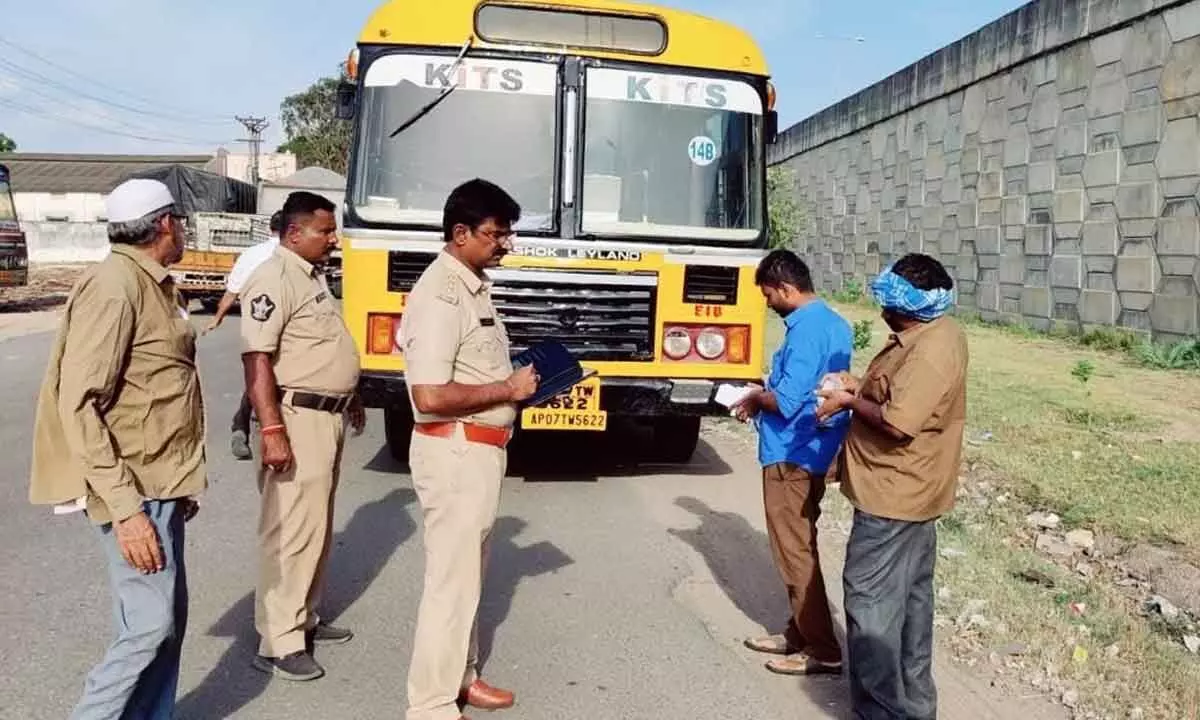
[(169, 76)]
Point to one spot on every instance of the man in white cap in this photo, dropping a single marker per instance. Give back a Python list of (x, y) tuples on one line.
[(119, 434)]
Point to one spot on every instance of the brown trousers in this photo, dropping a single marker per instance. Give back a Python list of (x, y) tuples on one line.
[(295, 530), (792, 498), (458, 484)]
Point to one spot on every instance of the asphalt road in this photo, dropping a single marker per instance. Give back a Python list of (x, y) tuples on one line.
[(614, 591)]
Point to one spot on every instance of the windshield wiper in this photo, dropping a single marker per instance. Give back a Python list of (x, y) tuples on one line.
[(442, 96)]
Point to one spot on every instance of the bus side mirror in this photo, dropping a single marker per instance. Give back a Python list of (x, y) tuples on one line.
[(772, 128), (347, 98)]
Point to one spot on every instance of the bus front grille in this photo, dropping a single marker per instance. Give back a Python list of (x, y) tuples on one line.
[(597, 315)]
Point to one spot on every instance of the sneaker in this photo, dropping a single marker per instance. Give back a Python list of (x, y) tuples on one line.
[(297, 667), (324, 634), (240, 444)]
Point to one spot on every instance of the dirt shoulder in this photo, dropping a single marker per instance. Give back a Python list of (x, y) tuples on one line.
[(733, 588), (36, 307)]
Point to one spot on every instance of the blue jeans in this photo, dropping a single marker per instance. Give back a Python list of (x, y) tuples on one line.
[(139, 674), (888, 581)]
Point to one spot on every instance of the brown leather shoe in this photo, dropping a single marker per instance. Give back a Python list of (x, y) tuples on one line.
[(485, 697)]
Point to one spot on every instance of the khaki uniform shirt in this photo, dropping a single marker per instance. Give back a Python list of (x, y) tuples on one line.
[(289, 313), (120, 417), (450, 332), (920, 381)]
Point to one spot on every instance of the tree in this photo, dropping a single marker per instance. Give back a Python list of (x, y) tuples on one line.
[(7, 144), (314, 133), (785, 217)]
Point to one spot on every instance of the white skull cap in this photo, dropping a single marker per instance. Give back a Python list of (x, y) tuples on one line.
[(136, 198)]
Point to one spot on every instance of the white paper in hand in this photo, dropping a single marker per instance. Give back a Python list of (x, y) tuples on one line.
[(730, 395)]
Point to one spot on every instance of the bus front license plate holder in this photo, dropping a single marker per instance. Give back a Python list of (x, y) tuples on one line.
[(577, 409)]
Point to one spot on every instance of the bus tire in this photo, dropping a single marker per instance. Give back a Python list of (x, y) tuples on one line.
[(676, 437), (398, 428)]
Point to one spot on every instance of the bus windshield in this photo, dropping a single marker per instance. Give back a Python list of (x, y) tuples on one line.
[(671, 156), (8, 210), (498, 123)]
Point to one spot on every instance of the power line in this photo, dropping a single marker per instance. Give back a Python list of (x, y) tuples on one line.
[(84, 109), (36, 112), (180, 113), (38, 77)]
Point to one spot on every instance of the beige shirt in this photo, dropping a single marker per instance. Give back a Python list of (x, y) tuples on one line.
[(920, 381), (289, 313), (450, 332), (120, 417)]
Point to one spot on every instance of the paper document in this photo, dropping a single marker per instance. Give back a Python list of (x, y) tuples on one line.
[(730, 395)]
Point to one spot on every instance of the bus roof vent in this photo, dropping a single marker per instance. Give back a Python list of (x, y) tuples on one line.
[(561, 27)]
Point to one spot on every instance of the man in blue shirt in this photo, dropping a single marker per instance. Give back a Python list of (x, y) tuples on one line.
[(795, 452)]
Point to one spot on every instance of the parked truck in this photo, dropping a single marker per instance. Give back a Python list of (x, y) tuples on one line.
[(14, 254), (221, 222)]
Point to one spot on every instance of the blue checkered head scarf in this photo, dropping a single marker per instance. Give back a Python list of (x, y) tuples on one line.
[(893, 292)]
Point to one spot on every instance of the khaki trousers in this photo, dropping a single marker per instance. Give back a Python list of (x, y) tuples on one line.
[(458, 485), (295, 529), (792, 498)]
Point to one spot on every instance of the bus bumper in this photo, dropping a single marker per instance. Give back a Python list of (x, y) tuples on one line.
[(620, 396)]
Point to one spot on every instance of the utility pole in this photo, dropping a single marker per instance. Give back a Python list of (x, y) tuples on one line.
[(254, 126)]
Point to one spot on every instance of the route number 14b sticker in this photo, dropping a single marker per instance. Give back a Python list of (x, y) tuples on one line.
[(702, 151)]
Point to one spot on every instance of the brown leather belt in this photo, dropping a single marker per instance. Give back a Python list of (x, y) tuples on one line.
[(484, 434), (313, 401)]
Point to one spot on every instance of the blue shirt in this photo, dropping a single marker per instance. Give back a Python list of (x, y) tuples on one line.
[(817, 341)]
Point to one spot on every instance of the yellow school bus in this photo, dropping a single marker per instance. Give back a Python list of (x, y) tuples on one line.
[(634, 138)]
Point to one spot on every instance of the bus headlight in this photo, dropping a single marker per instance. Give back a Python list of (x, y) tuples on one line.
[(677, 343), (707, 343), (710, 343)]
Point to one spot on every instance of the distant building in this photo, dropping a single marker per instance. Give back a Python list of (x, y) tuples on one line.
[(60, 199), (271, 166), (60, 196), (326, 183), (71, 188)]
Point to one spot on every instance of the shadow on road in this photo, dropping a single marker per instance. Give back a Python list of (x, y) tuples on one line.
[(383, 462), (623, 451), (508, 564), (584, 457), (739, 557), (360, 552), (36, 304)]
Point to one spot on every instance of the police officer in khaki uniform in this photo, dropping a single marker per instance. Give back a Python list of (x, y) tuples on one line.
[(119, 435), (463, 392), (301, 373)]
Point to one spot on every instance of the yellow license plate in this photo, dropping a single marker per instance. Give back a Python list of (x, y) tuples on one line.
[(578, 409)]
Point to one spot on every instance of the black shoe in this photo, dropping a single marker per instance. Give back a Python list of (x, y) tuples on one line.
[(240, 445), (324, 634), (297, 667)]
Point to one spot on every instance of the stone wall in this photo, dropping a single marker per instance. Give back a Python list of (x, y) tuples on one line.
[(1050, 160)]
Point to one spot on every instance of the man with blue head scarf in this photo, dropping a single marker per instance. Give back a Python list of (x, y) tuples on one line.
[(899, 468)]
